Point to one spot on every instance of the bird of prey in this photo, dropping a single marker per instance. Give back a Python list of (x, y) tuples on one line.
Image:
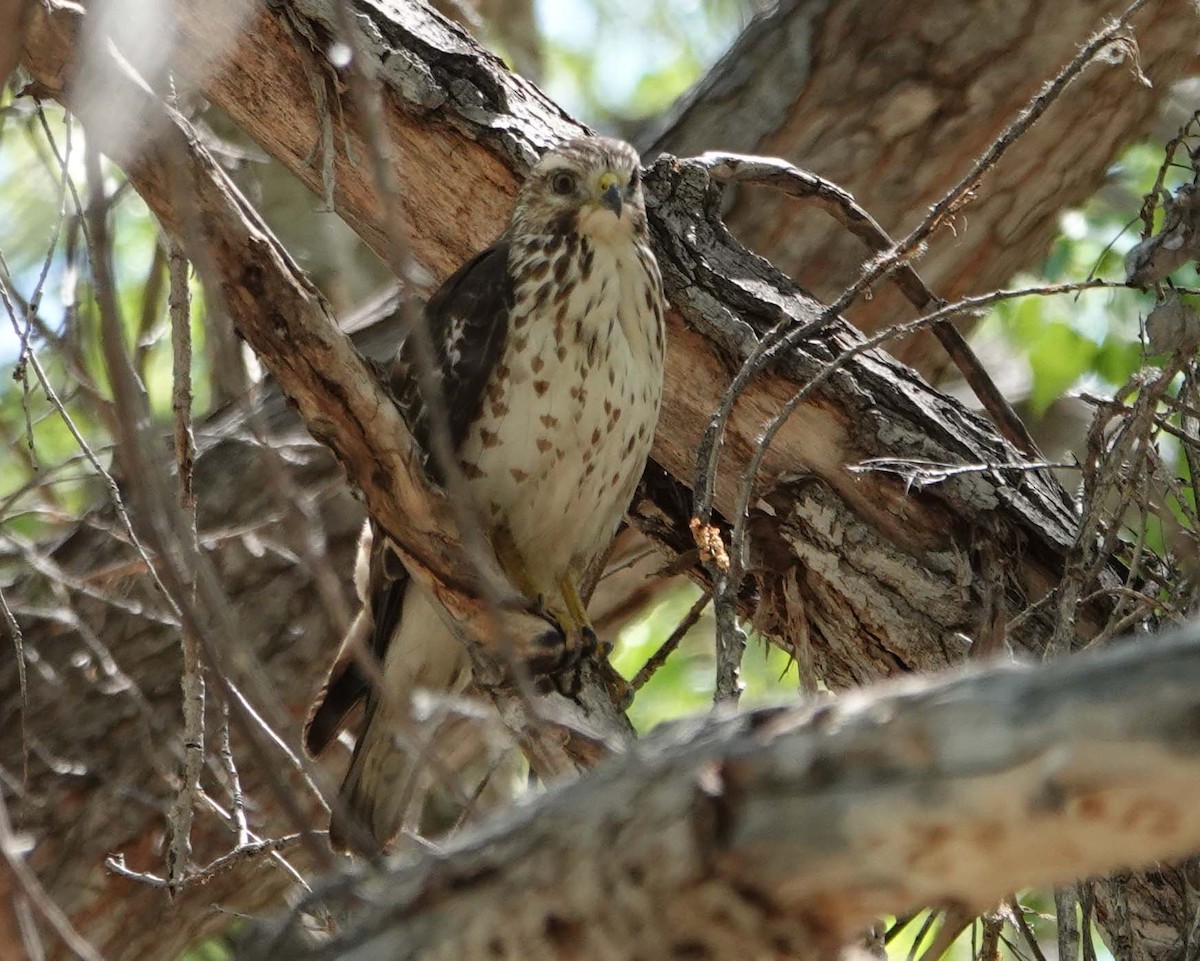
[(550, 348)]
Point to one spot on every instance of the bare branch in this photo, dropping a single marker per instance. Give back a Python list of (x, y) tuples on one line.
[(667, 648), (793, 181), (786, 831)]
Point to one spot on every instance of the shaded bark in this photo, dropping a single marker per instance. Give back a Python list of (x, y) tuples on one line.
[(893, 101), (14, 18), (885, 576)]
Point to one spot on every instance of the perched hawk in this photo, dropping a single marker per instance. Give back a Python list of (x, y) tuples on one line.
[(550, 344)]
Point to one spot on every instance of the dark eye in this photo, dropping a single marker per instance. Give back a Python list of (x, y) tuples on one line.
[(563, 183), (635, 178)]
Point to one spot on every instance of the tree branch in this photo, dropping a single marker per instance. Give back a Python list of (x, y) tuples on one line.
[(784, 832)]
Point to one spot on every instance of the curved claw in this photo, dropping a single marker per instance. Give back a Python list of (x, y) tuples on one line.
[(559, 655)]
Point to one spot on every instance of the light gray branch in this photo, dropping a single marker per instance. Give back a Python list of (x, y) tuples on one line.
[(783, 832)]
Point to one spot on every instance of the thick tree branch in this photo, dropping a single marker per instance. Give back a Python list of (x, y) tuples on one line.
[(784, 832)]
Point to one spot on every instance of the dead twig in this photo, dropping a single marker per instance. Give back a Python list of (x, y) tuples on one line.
[(839, 203), (18, 640), (205, 873), (164, 522), (192, 676), (667, 648), (1065, 905)]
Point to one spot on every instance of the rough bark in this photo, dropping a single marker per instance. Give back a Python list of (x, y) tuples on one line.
[(14, 17), (783, 833), (884, 574), (893, 100)]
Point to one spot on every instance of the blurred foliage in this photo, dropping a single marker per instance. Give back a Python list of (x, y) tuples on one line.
[(619, 63), (213, 950), (1092, 339)]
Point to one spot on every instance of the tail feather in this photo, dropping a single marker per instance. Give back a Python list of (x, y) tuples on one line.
[(346, 686), (389, 786), (394, 766), (376, 793)]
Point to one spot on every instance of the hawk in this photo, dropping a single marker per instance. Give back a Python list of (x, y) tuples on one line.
[(550, 348)]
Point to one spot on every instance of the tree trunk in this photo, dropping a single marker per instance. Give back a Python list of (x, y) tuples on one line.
[(888, 578), (893, 100)]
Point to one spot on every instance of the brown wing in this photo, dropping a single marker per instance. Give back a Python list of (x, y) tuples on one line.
[(468, 319), (468, 323)]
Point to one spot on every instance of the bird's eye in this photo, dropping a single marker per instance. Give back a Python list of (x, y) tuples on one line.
[(563, 183), (635, 178)]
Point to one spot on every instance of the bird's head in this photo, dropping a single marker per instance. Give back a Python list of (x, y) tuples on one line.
[(589, 185)]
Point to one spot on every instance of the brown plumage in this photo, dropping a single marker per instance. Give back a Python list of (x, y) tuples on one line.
[(550, 344)]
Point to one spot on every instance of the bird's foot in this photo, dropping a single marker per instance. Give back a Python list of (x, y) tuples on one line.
[(561, 653)]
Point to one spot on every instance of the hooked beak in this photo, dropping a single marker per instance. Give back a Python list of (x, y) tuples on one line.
[(611, 198)]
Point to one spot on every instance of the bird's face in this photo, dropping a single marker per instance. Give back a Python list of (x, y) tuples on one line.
[(591, 186)]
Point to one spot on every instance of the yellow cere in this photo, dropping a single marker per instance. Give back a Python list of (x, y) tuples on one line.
[(607, 179)]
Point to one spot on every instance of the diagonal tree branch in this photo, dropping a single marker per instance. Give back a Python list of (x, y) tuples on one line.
[(490, 125)]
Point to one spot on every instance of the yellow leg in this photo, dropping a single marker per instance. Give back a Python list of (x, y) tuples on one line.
[(575, 611), (514, 564)]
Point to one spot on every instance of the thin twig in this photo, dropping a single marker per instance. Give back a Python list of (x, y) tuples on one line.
[(32, 305), (781, 175), (1018, 917), (1065, 905), (18, 640), (931, 917), (113, 492), (725, 589), (667, 648), (989, 944), (165, 524), (731, 638), (202, 875), (1087, 911), (954, 922), (237, 798), (192, 676)]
